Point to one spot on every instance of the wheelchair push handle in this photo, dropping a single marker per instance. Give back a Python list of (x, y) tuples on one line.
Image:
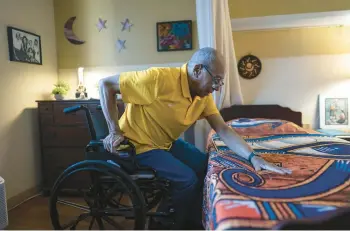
[(72, 109), (76, 108)]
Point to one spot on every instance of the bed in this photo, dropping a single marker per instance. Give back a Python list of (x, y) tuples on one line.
[(238, 197)]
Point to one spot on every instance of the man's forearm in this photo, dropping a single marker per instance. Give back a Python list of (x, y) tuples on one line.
[(108, 91), (235, 142)]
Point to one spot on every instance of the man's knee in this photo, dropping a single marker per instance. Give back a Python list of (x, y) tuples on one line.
[(189, 181)]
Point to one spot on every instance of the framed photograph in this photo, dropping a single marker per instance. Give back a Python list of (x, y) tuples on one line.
[(174, 36), (334, 111), (24, 46)]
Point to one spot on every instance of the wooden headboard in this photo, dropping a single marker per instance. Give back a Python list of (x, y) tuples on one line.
[(268, 111)]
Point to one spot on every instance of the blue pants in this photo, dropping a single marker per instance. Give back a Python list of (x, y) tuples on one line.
[(185, 166)]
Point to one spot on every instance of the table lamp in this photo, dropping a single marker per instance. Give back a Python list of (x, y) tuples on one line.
[(81, 90)]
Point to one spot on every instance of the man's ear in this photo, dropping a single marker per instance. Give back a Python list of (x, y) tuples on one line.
[(197, 69)]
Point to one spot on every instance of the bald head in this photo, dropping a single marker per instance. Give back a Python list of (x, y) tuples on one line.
[(206, 71), (207, 56)]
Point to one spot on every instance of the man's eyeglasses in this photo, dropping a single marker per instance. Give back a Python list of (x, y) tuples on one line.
[(217, 81)]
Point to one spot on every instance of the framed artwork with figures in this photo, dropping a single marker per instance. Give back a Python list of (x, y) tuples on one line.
[(24, 46), (174, 35), (334, 111)]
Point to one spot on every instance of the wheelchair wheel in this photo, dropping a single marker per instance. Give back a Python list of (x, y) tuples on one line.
[(100, 201)]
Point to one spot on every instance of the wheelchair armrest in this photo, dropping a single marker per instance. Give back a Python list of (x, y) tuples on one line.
[(125, 154), (126, 157), (96, 143), (95, 146)]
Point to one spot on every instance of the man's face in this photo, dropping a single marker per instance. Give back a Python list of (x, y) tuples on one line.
[(210, 78)]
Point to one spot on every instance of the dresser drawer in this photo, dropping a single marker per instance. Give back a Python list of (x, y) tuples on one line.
[(120, 105), (63, 157), (45, 108), (46, 119), (74, 118), (65, 136), (57, 160)]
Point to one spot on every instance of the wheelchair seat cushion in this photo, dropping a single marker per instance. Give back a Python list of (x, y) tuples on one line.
[(96, 151)]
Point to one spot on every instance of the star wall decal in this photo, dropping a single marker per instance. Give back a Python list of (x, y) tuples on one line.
[(121, 44), (101, 24), (126, 24)]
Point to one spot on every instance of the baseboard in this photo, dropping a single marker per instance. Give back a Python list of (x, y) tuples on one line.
[(15, 200)]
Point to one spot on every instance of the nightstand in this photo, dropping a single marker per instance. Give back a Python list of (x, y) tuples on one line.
[(339, 133)]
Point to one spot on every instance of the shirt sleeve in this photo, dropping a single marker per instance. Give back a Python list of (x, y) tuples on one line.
[(210, 108), (139, 87)]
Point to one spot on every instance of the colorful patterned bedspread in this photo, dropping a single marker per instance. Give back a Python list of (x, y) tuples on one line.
[(238, 197)]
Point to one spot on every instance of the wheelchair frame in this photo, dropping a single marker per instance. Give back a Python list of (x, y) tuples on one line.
[(120, 169)]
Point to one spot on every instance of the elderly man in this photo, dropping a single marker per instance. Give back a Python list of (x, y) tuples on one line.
[(162, 104)]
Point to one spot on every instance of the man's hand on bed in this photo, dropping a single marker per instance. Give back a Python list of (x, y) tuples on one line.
[(259, 164), (238, 145)]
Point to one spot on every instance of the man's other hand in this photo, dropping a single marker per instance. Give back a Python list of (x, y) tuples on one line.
[(259, 163), (112, 141)]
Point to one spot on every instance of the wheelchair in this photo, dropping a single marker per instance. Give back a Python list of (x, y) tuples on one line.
[(105, 179)]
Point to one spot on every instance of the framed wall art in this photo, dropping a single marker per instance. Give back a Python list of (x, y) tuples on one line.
[(174, 36), (249, 67), (24, 46), (334, 111)]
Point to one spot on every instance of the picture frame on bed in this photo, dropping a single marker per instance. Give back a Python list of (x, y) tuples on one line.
[(334, 111), (24, 46)]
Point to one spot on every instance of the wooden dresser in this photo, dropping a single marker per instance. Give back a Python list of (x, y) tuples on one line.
[(63, 137)]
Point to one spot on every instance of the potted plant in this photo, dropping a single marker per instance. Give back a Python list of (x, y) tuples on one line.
[(60, 90)]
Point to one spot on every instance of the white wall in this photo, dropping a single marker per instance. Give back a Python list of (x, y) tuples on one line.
[(296, 82), (21, 85)]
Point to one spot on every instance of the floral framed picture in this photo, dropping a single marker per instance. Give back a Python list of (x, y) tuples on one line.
[(24, 46), (174, 35), (334, 111)]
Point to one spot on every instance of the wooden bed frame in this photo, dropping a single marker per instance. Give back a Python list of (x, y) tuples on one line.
[(267, 111), (338, 220)]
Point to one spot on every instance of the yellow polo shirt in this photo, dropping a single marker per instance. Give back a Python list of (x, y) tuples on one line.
[(159, 106)]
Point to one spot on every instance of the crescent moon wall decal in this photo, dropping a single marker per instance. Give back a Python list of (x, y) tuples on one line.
[(69, 34)]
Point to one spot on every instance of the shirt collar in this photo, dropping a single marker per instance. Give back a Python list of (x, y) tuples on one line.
[(184, 82)]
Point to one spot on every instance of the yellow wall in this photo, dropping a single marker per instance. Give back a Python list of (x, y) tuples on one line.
[(289, 42), (100, 48), (258, 8), (21, 85), (293, 42)]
